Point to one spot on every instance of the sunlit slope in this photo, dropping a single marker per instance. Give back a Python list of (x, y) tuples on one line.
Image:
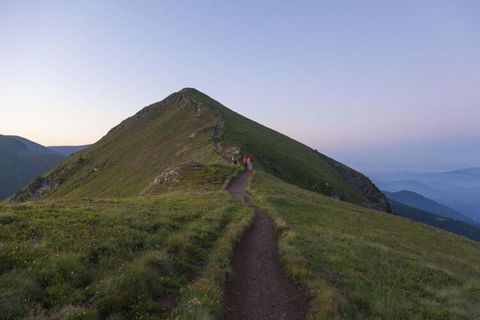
[(364, 264), (187, 138)]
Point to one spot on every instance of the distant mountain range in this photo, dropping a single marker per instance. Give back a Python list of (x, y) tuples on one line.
[(415, 200), (458, 189), (67, 150), (468, 171), (22, 160), (451, 225)]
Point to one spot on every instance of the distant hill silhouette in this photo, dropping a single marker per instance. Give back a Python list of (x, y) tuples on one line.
[(468, 171), (21, 161), (67, 150), (451, 225), (415, 200)]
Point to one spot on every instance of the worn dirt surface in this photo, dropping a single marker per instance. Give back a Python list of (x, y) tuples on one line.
[(259, 288)]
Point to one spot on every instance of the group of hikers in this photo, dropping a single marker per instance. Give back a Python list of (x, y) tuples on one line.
[(248, 163)]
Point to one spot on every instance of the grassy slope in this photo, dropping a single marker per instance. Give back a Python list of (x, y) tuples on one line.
[(126, 161), (117, 259), (364, 264), (284, 157), (188, 127)]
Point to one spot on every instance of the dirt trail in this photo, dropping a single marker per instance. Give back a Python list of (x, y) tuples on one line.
[(259, 288)]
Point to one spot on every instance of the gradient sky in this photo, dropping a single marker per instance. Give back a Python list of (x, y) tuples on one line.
[(372, 83)]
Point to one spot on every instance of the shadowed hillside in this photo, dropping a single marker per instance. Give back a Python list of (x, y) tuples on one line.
[(22, 160), (189, 137), (448, 224), (415, 200)]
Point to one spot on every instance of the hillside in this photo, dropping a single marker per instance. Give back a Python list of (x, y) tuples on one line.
[(364, 264), (139, 226), (448, 224), (475, 171), (459, 190), (189, 137), (415, 200), (117, 259), (21, 161), (67, 150)]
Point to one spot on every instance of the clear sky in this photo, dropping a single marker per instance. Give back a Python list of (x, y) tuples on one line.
[(373, 83)]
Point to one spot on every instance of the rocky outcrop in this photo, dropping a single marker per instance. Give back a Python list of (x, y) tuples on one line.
[(374, 198), (170, 177), (36, 190)]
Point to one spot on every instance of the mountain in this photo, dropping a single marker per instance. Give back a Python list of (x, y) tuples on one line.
[(67, 150), (21, 161), (448, 224), (415, 200), (187, 137), (139, 226), (466, 171), (459, 190)]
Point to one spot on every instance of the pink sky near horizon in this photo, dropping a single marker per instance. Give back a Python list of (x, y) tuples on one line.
[(343, 77)]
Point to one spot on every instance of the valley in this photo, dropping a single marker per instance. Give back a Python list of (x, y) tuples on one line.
[(140, 225)]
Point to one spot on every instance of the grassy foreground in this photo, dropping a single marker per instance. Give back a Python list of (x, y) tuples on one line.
[(364, 264), (118, 259)]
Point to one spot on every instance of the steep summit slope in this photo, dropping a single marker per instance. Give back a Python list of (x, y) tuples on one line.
[(189, 134), (141, 155), (291, 160)]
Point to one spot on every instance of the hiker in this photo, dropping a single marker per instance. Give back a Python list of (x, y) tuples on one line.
[(245, 162), (250, 163)]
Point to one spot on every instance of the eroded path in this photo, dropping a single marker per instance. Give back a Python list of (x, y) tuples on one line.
[(259, 288)]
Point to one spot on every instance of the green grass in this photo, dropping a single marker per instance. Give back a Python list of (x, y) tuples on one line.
[(364, 264), (124, 163), (116, 259), (291, 160), (160, 246), (183, 130)]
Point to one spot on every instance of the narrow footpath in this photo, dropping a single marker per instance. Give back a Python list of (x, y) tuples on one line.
[(259, 287)]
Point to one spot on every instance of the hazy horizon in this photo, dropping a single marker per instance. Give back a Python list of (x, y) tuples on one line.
[(376, 84)]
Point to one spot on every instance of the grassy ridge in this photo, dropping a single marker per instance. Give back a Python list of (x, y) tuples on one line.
[(291, 160), (115, 259), (363, 264), (188, 128), (126, 161)]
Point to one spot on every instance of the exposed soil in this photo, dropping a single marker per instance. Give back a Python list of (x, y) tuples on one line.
[(259, 288)]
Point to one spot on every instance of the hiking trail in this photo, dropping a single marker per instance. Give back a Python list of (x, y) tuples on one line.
[(259, 287)]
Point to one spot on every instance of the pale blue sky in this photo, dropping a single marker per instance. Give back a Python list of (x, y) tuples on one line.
[(373, 83)]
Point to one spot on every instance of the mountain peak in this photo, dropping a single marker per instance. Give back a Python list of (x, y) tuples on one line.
[(159, 144)]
